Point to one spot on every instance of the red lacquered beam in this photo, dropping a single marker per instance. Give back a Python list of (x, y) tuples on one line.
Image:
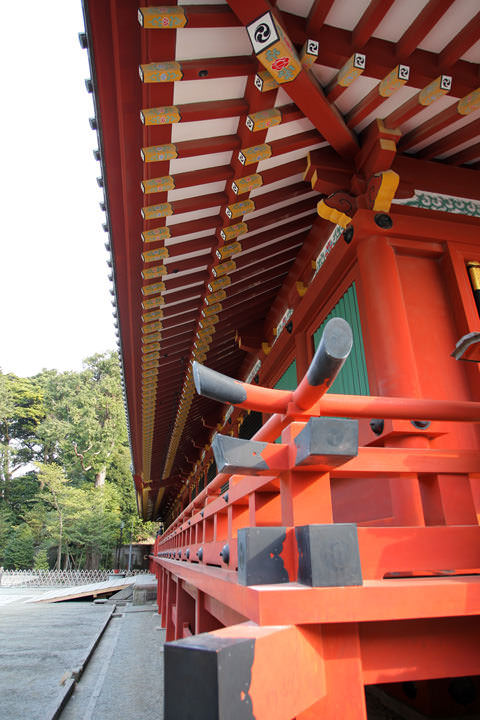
[(371, 18), (399, 408), (421, 26), (195, 16), (193, 112)]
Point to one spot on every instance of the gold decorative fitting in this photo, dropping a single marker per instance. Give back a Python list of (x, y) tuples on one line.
[(247, 183), (160, 184), (162, 18), (153, 302), (154, 315), (154, 255), (151, 327), (354, 67), (154, 287), (394, 80), (238, 209), (255, 153), (224, 268), (469, 103), (438, 87), (165, 115), (273, 48), (232, 231), (156, 211), (301, 288), (155, 153), (227, 251), (335, 216), (156, 235), (264, 82), (211, 309), (219, 283), (263, 119), (309, 53), (215, 297), (153, 272), (160, 72)]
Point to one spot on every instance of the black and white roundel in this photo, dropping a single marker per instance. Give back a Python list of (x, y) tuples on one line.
[(262, 33)]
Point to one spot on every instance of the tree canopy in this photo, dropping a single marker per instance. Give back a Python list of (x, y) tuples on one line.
[(65, 485)]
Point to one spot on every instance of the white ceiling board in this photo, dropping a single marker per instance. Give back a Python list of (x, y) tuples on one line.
[(296, 7), (346, 14), (199, 162), (398, 19), (196, 191), (284, 182), (473, 55), (450, 24), (356, 92), (289, 129), (194, 215), (277, 160), (430, 111), (193, 296), (460, 147), (283, 98), (390, 104), (271, 262), (197, 43), (323, 73), (272, 242), (465, 120), (187, 286), (209, 89), (278, 224), (189, 236), (204, 129), (184, 273), (186, 256), (280, 205)]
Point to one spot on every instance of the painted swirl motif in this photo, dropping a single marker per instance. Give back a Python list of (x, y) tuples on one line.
[(445, 203)]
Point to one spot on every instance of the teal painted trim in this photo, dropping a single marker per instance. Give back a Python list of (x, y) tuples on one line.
[(353, 377), (443, 203), (288, 381)]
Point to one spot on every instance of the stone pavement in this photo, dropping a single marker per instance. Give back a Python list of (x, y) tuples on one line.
[(40, 645), (124, 678)]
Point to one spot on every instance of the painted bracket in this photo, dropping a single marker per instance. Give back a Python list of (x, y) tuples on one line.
[(259, 555), (248, 457), (327, 441), (225, 674), (328, 555)]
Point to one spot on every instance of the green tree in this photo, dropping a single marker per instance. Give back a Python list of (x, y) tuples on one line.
[(52, 481), (92, 524), (65, 463), (41, 560), (19, 550), (84, 428), (21, 411), (6, 525)]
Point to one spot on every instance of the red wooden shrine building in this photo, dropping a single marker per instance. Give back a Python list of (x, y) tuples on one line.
[(293, 208)]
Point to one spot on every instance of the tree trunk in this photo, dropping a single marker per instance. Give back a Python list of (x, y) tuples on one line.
[(100, 478), (59, 549)]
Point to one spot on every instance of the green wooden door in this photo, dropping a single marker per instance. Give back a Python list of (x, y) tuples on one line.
[(353, 378), (288, 381)]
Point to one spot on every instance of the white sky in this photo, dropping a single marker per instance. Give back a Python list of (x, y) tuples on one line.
[(55, 307)]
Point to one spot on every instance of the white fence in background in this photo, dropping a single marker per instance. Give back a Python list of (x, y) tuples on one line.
[(59, 578)]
